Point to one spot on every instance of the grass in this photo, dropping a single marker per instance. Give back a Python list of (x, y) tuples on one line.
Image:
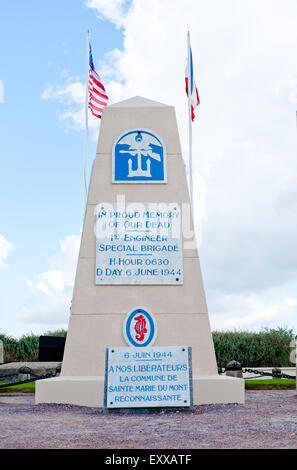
[(271, 384), (26, 388)]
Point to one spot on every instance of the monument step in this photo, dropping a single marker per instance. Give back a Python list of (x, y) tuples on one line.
[(89, 391)]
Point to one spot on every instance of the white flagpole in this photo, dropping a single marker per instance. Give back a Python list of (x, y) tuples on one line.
[(190, 124), (86, 124)]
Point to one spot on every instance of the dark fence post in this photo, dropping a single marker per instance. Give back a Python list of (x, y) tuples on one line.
[(276, 373), (234, 369)]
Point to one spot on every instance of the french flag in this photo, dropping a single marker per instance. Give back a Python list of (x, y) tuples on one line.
[(191, 85)]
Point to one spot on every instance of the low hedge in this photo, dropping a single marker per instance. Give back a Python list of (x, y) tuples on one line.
[(24, 349), (267, 348)]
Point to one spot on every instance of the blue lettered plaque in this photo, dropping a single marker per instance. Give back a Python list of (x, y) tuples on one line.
[(139, 243), (139, 156), (158, 377)]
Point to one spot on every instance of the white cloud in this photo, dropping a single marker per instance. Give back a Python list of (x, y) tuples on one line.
[(5, 249), (51, 292), (50, 283), (250, 311), (70, 94), (115, 10), (244, 138)]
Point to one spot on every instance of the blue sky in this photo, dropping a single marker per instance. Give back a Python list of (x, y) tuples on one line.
[(244, 140), (41, 175)]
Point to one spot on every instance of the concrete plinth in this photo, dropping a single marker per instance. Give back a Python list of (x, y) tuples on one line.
[(89, 391)]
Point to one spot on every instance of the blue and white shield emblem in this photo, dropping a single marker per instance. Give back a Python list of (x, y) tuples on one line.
[(139, 156)]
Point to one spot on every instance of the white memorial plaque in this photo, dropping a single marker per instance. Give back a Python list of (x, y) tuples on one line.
[(154, 377), (138, 243)]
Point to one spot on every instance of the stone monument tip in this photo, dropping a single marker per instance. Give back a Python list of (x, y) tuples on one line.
[(137, 102)]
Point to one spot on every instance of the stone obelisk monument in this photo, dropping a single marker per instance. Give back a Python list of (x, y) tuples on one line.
[(137, 254)]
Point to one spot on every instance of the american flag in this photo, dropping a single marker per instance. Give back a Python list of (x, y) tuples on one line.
[(191, 84), (98, 98)]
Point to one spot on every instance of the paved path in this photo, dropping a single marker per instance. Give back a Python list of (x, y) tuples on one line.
[(267, 420)]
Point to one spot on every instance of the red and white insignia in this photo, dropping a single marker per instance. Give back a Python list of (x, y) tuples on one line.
[(140, 328)]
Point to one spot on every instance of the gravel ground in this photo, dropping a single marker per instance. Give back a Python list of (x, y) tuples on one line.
[(267, 420)]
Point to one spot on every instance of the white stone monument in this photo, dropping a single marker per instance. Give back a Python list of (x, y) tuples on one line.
[(138, 282)]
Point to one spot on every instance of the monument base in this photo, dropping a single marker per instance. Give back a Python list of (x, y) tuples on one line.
[(89, 391)]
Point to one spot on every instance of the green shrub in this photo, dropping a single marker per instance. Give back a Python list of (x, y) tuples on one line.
[(24, 349), (267, 348), (9, 344), (27, 348), (61, 332)]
